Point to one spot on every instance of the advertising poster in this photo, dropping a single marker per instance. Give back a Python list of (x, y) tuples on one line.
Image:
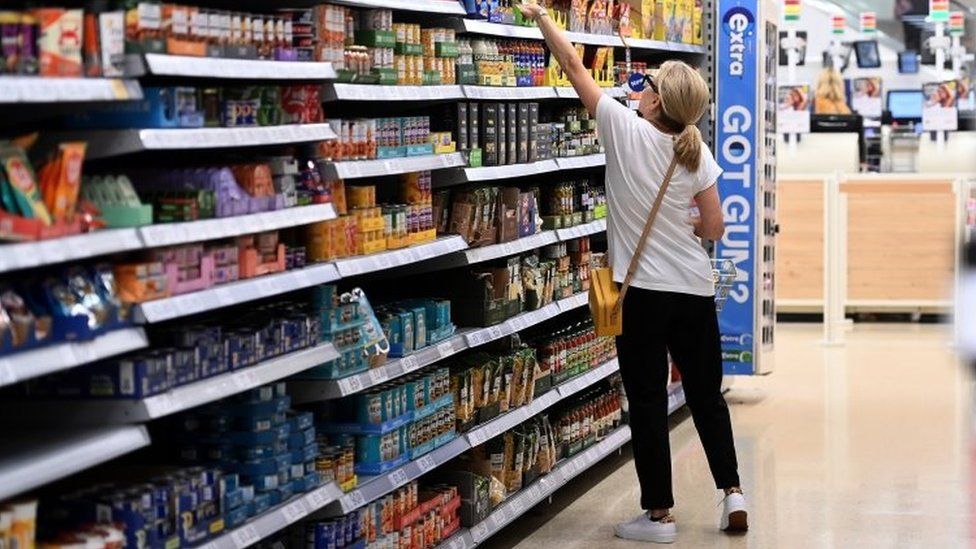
[(966, 96), (940, 112), (866, 98), (737, 139), (793, 106)]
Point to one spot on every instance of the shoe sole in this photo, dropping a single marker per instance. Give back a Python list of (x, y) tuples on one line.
[(738, 522), (657, 539)]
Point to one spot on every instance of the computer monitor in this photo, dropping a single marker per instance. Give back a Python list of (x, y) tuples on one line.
[(908, 62), (906, 105), (868, 55)]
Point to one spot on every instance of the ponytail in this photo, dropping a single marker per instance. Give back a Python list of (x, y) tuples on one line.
[(687, 148)]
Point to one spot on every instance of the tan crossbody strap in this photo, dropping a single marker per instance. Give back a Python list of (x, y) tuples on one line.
[(635, 261)]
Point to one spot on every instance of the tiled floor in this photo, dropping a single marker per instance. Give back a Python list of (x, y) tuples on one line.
[(860, 446)]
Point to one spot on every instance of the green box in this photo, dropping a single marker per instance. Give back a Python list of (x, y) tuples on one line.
[(467, 75), (446, 49), (403, 48), (475, 158), (385, 77), (118, 217), (432, 78), (376, 38)]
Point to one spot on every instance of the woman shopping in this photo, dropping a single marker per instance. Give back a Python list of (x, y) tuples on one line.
[(670, 305)]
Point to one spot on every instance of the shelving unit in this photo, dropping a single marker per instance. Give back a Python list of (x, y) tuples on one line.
[(355, 169), (122, 411), (32, 460), (110, 143), (26, 255), (36, 90), (338, 91), (157, 64)]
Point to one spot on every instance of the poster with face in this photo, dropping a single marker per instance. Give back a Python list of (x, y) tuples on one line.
[(793, 109), (966, 96), (866, 98), (940, 112)]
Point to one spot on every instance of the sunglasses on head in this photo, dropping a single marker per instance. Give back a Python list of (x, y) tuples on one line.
[(649, 82)]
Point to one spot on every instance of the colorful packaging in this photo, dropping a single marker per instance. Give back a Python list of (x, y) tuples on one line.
[(61, 40), (21, 183)]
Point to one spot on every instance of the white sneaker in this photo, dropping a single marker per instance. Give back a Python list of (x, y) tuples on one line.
[(642, 528), (734, 514)]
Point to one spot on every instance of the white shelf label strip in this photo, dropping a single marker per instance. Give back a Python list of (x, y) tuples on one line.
[(178, 65), (205, 138), (354, 169), (168, 234)]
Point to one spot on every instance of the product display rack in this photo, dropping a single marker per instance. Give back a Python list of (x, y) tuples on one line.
[(111, 428)]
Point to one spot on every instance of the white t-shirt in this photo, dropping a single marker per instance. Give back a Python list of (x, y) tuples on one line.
[(638, 157)]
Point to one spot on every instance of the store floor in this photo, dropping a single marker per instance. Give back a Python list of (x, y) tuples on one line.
[(864, 444)]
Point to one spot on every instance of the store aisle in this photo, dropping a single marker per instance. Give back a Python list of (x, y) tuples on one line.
[(863, 445)]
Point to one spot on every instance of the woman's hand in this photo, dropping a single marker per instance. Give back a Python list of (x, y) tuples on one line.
[(531, 11)]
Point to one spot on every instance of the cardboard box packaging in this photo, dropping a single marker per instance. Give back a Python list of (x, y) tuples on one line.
[(512, 132)]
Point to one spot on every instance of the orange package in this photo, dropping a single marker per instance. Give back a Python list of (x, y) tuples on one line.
[(61, 40)]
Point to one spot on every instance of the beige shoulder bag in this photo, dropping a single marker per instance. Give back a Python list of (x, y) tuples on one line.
[(606, 300)]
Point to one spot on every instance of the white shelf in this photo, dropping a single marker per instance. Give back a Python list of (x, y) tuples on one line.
[(367, 92), (570, 93), (354, 266), (353, 169), (579, 231), (62, 356), (519, 322), (476, 26), (533, 33), (449, 7), (219, 67), (491, 173), (577, 301), (500, 93), (312, 390), (580, 162), (38, 89), (31, 461), (276, 519), (522, 245), (235, 293), (533, 494), (120, 411), (372, 488), (25, 255), (169, 234), (109, 143)]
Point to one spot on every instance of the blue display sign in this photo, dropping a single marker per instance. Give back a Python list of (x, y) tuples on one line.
[(737, 62)]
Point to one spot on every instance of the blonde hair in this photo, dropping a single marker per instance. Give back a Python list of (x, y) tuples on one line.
[(684, 99)]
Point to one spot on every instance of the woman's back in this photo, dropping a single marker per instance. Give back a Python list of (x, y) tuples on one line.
[(638, 157)]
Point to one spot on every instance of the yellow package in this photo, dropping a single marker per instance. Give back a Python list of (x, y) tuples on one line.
[(698, 36), (661, 19), (686, 13)]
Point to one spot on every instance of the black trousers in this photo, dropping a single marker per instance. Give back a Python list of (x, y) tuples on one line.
[(686, 325)]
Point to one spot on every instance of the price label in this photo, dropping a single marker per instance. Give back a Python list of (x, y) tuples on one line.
[(445, 349), (390, 166), (516, 506), (495, 332), (7, 375), (535, 492), (243, 537), (480, 530), (351, 384), (518, 323), (317, 499), (477, 437), (294, 512), (246, 379), (378, 375), (426, 463), (459, 542), (409, 363), (478, 338), (354, 500), (398, 477)]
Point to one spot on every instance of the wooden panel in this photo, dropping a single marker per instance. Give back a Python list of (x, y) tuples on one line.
[(901, 241), (799, 246)]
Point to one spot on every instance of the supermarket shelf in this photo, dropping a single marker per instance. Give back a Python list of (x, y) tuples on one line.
[(311, 390), (579, 231), (109, 143), (276, 519), (570, 93), (367, 92), (491, 173), (109, 412), (169, 234), (25, 255), (220, 67), (521, 245), (519, 322), (234, 293), (450, 7), (354, 266), (509, 93), (62, 356), (572, 303), (19, 90), (35, 460), (533, 494), (533, 33), (376, 487), (579, 162), (353, 169)]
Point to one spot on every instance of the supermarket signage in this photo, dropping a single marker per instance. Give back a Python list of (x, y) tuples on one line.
[(957, 23), (737, 62), (869, 22), (939, 11), (791, 10), (838, 23)]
